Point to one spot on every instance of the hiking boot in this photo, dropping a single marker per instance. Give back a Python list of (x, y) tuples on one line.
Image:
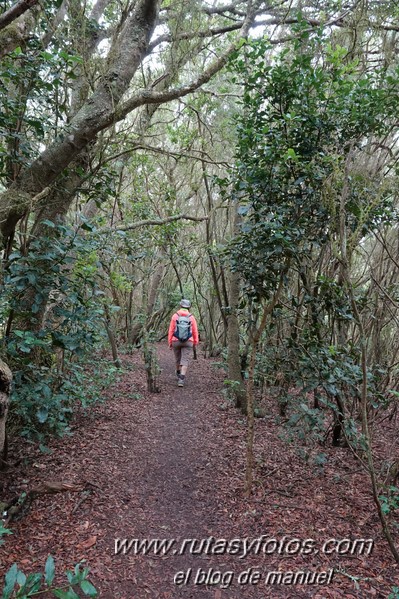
[(178, 373), (180, 383)]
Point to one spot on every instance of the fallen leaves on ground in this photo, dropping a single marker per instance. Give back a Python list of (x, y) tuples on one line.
[(171, 465)]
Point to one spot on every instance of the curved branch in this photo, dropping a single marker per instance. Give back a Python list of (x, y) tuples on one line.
[(16, 11), (144, 223), (214, 31), (153, 97)]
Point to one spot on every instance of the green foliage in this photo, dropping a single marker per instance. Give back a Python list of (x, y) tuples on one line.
[(390, 501), (43, 400), (305, 424), (3, 531), (303, 113), (30, 96), (56, 310), (19, 586), (300, 117), (230, 389)]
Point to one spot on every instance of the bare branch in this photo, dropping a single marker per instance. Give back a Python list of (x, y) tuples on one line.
[(55, 23), (98, 9), (16, 11), (221, 10), (148, 222), (41, 195), (153, 97), (213, 31)]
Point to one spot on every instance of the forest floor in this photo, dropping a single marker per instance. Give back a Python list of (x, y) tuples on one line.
[(171, 466)]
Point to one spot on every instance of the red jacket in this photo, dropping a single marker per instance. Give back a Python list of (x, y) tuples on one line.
[(172, 327)]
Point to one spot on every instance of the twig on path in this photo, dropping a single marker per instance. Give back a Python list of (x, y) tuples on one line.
[(266, 474), (85, 495), (279, 492), (273, 504), (21, 504), (354, 579), (290, 507)]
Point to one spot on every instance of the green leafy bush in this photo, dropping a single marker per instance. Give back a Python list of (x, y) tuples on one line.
[(19, 586), (53, 314)]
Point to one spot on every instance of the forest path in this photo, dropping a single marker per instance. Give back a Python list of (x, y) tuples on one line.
[(180, 470), (171, 466)]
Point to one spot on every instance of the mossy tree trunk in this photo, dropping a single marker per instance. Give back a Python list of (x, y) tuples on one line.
[(5, 386), (233, 345)]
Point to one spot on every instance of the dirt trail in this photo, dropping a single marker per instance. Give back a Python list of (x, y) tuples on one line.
[(170, 466), (178, 474)]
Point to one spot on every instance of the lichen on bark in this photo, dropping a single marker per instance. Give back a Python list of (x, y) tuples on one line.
[(13, 205), (5, 386)]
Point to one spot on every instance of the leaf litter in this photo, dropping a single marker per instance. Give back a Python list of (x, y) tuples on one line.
[(171, 466)]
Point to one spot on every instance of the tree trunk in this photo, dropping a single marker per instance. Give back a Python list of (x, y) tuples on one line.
[(138, 330), (111, 338), (95, 115), (151, 365), (233, 345), (5, 384), (256, 336)]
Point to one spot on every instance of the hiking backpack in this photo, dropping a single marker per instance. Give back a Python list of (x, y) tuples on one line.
[(183, 328)]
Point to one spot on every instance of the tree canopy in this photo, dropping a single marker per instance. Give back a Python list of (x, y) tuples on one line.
[(242, 154)]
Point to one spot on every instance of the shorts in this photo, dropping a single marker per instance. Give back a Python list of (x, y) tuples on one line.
[(182, 351)]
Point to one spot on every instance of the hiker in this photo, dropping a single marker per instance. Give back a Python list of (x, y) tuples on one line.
[(182, 337)]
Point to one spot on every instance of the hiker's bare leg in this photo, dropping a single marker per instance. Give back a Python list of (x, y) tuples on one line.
[(183, 370), (177, 352)]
